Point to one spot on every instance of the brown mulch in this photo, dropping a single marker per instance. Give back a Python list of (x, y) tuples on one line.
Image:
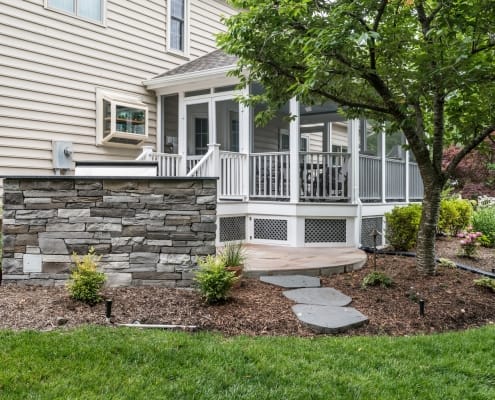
[(452, 303), (448, 247)]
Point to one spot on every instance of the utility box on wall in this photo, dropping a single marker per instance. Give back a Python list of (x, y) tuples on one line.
[(62, 155)]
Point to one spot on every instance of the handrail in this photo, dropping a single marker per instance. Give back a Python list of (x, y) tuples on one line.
[(201, 162)]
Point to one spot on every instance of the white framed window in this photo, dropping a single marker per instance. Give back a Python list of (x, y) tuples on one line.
[(177, 27), (121, 120), (92, 10)]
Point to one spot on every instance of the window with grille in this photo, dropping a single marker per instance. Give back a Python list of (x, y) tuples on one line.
[(87, 9), (177, 25)]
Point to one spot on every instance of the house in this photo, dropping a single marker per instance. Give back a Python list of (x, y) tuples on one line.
[(121, 80)]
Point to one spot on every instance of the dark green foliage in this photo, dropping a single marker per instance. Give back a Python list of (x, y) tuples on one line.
[(377, 278), (402, 226), (213, 279), (85, 281), (484, 222), (455, 215)]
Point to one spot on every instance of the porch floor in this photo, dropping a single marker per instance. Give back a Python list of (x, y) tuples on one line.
[(313, 261)]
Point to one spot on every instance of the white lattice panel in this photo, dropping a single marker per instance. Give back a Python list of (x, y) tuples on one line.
[(325, 231), (232, 228), (270, 229)]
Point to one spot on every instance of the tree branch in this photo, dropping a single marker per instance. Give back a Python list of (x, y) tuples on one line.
[(379, 15), (467, 149)]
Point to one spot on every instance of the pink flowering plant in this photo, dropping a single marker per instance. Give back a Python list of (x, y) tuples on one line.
[(469, 243)]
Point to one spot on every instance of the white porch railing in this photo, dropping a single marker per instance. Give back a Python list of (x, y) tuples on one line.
[(323, 176), (415, 182), (191, 162), (232, 167), (270, 175), (208, 164), (168, 164), (395, 176), (370, 178)]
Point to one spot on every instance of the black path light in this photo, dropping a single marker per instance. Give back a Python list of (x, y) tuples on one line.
[(108, 308), (374, 234), (421, 307)]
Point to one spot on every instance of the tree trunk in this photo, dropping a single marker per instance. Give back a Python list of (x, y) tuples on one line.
[(425, 249)]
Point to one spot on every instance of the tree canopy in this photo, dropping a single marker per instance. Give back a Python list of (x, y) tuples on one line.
[(426, 68)]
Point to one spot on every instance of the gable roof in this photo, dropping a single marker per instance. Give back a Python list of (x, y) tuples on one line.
[(215, 59)]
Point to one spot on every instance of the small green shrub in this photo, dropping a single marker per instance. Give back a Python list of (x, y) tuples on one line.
[(85, 281), (233, 254), (485, 282), (376, 278), (484, 222), (446, 263), (213, 279), (402, 226), (455, 215)]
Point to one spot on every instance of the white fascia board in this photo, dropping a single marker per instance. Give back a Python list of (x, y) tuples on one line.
[(189, 77)]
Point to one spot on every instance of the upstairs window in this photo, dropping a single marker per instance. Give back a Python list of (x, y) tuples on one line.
[(87, 9), (177, 26)]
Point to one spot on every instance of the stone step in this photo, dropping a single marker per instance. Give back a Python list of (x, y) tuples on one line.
[(292, 281), (329, 319), (318, 296)]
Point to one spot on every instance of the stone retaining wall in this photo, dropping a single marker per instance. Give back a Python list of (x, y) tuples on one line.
[(149, 231)]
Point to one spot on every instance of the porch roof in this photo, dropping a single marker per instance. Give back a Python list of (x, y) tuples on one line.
[(214, 63)]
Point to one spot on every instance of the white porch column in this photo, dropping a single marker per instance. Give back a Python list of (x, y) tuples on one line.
[(407, 176), (214, 162), (245, 133), (294, 144), (159, 124), (353, 137), (384, 167), (182, 136)]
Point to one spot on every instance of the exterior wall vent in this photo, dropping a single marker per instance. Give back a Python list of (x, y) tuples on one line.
[(325, 230), (270, 229), (367, 226), (232, 228)]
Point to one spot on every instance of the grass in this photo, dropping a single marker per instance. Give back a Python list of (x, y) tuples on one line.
[(102, 363)]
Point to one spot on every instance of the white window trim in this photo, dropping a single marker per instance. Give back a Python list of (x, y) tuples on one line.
[(120, 99), (74, 15), (185, 52)]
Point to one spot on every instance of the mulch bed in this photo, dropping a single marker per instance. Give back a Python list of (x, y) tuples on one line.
[(452, 303)]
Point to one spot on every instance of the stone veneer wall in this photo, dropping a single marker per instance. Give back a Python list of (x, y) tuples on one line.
[(149, 231)]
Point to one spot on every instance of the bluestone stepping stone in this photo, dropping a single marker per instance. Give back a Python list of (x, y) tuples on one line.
[(292, 281), (318, 296), (329, 319)]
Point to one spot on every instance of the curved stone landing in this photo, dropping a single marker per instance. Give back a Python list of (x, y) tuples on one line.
[(312, 261)]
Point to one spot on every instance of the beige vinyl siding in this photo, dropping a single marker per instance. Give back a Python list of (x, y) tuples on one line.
[(51, 65)]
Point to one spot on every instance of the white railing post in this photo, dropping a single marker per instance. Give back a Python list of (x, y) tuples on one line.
[(146, 155), (213, 165), (294, 145)]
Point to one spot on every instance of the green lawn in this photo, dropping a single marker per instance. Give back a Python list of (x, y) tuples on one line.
[(102, 363)]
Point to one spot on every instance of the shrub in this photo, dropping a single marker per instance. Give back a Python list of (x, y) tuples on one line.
[(484, 222), (213, 279), (85, 281), (469, 243), (455, 215), (402, 226), (485, 282), (233, 254), (376, 278)]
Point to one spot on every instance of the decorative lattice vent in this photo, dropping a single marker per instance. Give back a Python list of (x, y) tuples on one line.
[(232, 228), (367, 226), (325, 231), (270, 229)]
